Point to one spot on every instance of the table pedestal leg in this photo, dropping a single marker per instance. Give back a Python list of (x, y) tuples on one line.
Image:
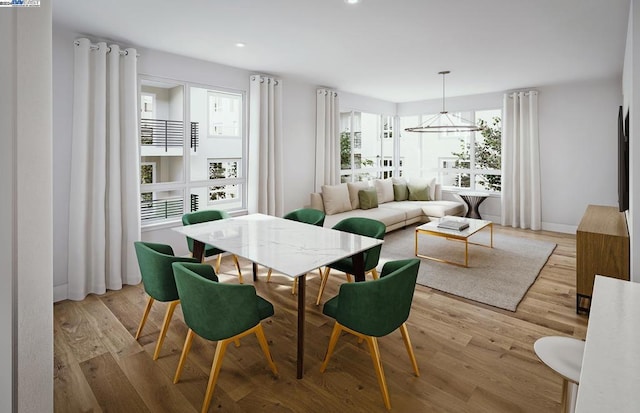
[(255, 272), (302, 281), (358, 266)]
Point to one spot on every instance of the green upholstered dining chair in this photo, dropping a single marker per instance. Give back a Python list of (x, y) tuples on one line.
[(218, 312), (157, 278), (209, 250), (308, 216), (374, 309), (361, 226)]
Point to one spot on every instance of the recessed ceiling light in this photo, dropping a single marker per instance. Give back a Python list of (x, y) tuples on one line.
[(352, 1), (240, 44)]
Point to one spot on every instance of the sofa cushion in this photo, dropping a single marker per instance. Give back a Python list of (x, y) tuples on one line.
[(385, 190), (387, 216), (336, 199), (400, 189), (354, 188), (441, 208), (412, 209), (368, 198)]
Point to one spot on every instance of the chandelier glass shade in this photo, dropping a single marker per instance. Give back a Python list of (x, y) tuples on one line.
[(445, 122)]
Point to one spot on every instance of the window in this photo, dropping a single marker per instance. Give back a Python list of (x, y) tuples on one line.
[(366, 146), (225, 114), (180, 172), (465, 160)]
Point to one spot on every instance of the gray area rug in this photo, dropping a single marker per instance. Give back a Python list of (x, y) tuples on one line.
[(498, 276)]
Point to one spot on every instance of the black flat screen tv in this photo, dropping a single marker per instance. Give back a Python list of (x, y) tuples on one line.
[(623, 160)]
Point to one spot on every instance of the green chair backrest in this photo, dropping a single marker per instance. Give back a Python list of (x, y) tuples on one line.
[(155, 267), (368, 228), (306, 215), (202, 216), (214, 310), (378, 307)]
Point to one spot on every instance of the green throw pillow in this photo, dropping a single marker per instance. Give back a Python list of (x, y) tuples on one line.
[(368, 198), (400, 192), (418, 192)]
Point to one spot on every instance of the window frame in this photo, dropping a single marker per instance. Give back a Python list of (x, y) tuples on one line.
[(186, 185)]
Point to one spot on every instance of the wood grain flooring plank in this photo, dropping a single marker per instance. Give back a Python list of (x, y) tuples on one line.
[(71, 390), (114, 392)]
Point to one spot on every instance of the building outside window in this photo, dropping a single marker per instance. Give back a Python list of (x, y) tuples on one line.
[(366, 146), (180, 171)]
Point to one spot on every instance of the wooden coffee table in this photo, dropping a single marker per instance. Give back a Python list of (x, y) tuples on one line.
[(475, 225)]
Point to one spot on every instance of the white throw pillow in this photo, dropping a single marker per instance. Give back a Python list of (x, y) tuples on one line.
[(336, 199), (384, 188), (354, 188)]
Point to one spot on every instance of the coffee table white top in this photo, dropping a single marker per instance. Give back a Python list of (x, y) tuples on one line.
[(611, 362), (289, 247), (475, 225)]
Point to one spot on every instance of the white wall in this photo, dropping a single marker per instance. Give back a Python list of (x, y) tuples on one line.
[(7, 213), (632, 103), (578, 149), (26, 347)]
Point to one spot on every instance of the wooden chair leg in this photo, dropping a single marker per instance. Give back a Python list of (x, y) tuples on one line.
[(183, 357), (323, 283), (374, 274), (144, 316), (235, 259), (377, 364), (294, 285), (165, 326), (335, 334), (349, 278), (565, 396), (407, 344), (218, 261), (269, 275), (262, 340), (221, 348)]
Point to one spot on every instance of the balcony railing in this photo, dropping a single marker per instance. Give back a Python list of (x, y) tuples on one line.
[(194, 202), (166, 133), (161, 209)]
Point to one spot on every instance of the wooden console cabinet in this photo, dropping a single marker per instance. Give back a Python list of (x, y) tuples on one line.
[(602, 247)]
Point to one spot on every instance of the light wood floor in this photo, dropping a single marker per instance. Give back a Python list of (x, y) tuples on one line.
[(472, 357)]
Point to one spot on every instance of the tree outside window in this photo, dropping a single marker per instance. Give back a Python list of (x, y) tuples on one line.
[(487, 152)]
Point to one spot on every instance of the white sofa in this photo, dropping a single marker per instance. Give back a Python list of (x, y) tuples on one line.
[(395, 214)]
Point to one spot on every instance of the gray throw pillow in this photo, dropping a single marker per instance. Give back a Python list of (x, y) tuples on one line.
[(400, 189), (418, 192), (368, 198)]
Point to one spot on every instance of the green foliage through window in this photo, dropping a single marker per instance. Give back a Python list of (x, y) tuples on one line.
[(487, 156)]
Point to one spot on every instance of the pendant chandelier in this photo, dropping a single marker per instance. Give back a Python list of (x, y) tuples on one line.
[(444, 121)]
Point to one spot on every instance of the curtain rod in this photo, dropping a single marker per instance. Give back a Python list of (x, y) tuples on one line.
[(263, 77), (96, 47)]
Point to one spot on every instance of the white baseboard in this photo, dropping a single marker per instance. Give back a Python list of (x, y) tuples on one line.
[(546, 226), (60, 293)]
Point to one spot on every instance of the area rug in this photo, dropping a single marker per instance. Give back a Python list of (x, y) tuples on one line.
[(498, 276)]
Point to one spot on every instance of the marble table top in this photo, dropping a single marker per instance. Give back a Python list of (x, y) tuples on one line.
[(289, 247)]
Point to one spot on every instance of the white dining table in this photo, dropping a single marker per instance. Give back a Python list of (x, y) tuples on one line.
[(288, 247), (611, 362)]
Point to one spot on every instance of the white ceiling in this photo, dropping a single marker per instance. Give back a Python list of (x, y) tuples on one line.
[(387, 49)]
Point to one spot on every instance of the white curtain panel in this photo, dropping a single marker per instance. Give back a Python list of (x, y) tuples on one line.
[(265, 185), (327, 138), (521, 161), (104, 197)]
